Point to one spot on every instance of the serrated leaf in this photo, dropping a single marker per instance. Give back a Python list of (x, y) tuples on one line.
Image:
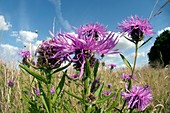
[(146, 41), (59, 88), (34, 74), (126, 62), (99, 90)]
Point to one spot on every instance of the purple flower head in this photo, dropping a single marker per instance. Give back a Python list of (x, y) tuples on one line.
[(92, 30), (112, 66), (84, 46), (138, 97), (109, 85), (10, 83), (136, 27), (24, 53), (74, 76), (107, 93), (127, 77), (37, 92), (95, 85), (50, 54), (52, 91)]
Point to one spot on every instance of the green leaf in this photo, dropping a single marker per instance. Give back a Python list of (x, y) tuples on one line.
[(87, 69), (62, 68), (59, 88), (96, 69), (99, 90), (129, 40), (44, 98), (146, 41), (77, 97), (114, 102), (34, 74), (67, 108), (126, 62), (104, 99)]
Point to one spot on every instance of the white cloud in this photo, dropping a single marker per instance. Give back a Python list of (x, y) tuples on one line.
[(161, 31), (123, 43), (8, 52), (63, 22), (26, 37), (3, 24)]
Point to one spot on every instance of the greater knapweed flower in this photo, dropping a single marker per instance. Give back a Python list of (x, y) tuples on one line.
[(91, 39), (136, 27), (138, 97), (37, 92), (11, 83), (50, 55), (24, 53), (74, 76), (107, 93), (127, 77), (109, 85), (52, 90), (112, 66), (95, 85)]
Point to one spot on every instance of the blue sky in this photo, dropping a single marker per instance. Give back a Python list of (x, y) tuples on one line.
[(20, 18)]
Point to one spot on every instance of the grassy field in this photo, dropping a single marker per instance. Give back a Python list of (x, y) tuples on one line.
[(11, 98)]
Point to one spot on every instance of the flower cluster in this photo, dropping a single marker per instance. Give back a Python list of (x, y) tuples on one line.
[(138, 97)]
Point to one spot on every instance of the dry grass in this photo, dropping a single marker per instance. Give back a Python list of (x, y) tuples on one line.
[(158, 79)]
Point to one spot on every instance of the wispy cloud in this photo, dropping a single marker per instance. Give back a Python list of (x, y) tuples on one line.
[(3, 24), (63, 22), (23, 17)]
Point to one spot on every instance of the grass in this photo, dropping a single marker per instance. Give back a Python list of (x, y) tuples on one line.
[(11, 97)]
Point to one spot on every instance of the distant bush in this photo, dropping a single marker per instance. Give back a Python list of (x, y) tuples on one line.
[(160, 52)]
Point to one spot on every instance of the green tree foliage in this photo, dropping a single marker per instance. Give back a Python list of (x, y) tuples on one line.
[(160, 52)]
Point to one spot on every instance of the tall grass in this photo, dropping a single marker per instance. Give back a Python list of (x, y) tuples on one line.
[(11, 98)]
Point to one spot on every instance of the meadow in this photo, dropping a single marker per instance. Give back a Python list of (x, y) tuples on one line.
[(12, 98)]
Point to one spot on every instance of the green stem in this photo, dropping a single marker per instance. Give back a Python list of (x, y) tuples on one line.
[(48, 76), (133, 70), (136, 54), (130, 110)]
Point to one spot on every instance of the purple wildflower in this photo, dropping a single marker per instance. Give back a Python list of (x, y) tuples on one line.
[(91, 39), (109, 85), (127, 77), (136, 27), (92, 30), (112, 66), (74, 76), (95, 85), (138, 97), (24, 53), (37, 92), (10, 83), (107, 93), (52, 91), (50, 55)]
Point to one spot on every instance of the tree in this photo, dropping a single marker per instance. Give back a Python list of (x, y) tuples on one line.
[(160, 51)]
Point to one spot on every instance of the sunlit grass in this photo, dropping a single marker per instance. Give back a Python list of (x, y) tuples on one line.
[(11, 97)]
